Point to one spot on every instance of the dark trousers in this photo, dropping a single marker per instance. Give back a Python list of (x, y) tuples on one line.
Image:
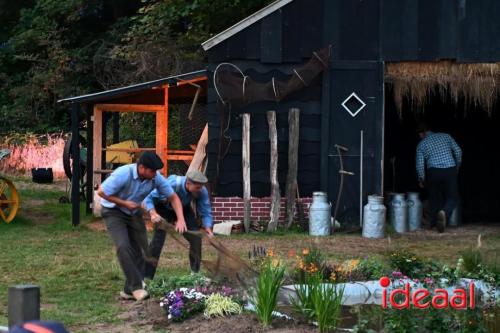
[(442, 185), (158, 240), (130, 238)]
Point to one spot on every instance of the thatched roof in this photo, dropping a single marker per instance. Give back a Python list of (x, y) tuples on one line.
[(476, 83)]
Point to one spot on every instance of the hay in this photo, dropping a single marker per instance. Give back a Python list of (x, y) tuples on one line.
[(469, 83)]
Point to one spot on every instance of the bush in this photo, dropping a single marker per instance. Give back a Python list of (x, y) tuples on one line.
[(407, 263), (159, 286), (373, 268), (265, 295), (310, 261), (471, 260)]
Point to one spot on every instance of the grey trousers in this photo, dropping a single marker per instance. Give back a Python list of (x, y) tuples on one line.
[(130, 238), (158, 240)]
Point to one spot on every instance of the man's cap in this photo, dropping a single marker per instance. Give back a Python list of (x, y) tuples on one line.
[(150, 160), (197, 177)]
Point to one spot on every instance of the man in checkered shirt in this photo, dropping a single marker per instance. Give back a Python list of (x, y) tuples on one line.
[(438, 160)]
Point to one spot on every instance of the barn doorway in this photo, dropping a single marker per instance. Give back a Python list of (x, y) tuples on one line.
[(475, 130)]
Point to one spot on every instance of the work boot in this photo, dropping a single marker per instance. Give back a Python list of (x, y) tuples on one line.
[(126, 296), (441, 221), (140, 294)]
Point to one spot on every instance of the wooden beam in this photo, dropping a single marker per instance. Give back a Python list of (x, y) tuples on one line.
[(97, 143), (90, 166), (130, 107), (275, 187), (293, 154), (246, 171), (199, 159), (162, 133), (75, 178)]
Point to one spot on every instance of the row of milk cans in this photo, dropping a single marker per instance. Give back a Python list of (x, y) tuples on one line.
[(404, 213)]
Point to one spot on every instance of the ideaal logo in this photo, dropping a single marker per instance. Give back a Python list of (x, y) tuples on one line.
[(422, 298)]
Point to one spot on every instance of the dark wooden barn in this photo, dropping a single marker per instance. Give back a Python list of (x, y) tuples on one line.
[(357, 102)]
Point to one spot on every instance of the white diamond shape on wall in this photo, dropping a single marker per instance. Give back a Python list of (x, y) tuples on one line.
[(352, 108)]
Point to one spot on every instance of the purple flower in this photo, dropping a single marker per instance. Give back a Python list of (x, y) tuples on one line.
[(397, 274)]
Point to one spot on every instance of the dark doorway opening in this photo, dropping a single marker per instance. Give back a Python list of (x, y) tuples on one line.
[(475, 130)]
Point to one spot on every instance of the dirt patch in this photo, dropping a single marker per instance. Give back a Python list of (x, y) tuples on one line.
[(148, 316)]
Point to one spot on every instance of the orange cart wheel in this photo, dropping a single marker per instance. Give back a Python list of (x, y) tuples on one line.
[(9, 200)]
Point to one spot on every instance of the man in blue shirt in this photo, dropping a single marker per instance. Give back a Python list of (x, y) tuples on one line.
[(190, 188), (437, 161), (122, 193)]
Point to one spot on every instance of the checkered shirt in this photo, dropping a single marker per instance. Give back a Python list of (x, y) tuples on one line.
[(437, 150)]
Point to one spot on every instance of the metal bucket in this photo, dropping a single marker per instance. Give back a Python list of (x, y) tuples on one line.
[(415, 211), (320, 215), (399, 213), (374, 214)]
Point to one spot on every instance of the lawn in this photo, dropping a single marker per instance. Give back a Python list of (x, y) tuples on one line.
[(80, 278)]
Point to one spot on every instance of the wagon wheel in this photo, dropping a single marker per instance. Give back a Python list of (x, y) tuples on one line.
[(9, 200)]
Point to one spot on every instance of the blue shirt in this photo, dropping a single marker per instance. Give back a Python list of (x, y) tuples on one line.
[(437, 150), (178, 184), (125, 184)]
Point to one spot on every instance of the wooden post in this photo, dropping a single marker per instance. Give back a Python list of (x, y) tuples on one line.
[(97, 149), (293, 154), (162, 133), (23, 304), (75, 179), (246, 171), (275, 187), (90, 169)]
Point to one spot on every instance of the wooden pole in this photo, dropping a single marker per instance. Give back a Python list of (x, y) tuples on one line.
[(90, 153), (293, 154), (246, 171), (275, 187), (75, 178), (199, 158)]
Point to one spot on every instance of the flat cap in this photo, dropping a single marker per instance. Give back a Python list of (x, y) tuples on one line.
[(150, 160), (197, 177)]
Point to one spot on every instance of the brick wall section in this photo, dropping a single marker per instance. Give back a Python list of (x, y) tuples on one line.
[(231, 208)]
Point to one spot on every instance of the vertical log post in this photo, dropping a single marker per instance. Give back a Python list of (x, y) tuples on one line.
[(293, 153), (275, 187), (246, 171), (75, 177), (23, 304)]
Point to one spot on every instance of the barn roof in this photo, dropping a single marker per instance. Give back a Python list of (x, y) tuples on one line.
[(121, 91), (246, 22)]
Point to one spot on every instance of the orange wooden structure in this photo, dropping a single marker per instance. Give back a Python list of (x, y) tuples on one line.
[(152, 97)]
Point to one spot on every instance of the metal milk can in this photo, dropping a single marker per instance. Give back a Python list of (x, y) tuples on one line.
[(374, 217), (415, 211), (399, 213), (320, 215)]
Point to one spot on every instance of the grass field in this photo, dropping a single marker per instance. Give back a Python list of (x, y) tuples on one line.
[(80, 278)]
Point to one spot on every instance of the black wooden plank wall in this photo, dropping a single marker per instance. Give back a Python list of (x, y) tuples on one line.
[(287, 35), (230, 176)]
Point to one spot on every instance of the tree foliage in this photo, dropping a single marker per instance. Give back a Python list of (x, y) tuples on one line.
[(50, 49)]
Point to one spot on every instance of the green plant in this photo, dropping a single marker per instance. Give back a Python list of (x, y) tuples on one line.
[(265, 294), (373, 268), (310, 261), (471, 260), (319, 302), (217, 305), (407, 263), (159, 286)]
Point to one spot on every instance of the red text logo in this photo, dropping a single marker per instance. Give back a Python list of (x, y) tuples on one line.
[(422, 298)]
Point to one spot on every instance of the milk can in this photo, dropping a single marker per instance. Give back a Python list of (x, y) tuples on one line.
[(415, 211), (374, 217), (319, 215), (399, 213)]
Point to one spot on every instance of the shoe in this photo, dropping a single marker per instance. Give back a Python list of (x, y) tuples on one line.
[(140, 294), (441, 221), (125, 296)]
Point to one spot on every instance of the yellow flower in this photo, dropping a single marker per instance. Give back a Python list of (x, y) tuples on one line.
[(275, 262), (270, 253), (305, 252)]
